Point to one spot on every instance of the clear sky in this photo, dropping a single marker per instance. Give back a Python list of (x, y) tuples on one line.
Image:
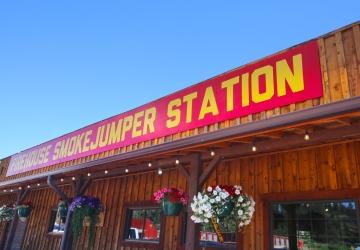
[(66, 64)]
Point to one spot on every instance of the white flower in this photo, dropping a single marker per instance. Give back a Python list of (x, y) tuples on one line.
[(209, 189), (215, 192), (218, 198), (237, 191), (212, 200), (240, 212), (206, 220)]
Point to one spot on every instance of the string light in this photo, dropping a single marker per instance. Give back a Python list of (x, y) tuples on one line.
[(253, 148), (89, 174), (62, 179), (38, 184), (20, 188), (306, 136), (212, 153), (160, 171), (149, 164), (28, 186), (11, 190), (126, 170), (177, 162), (73, 178), (5, 190)]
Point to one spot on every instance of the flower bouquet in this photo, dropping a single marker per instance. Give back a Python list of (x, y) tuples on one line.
[(24, 210), (172, 200), (6, 213), (81, 207), (216, 203)]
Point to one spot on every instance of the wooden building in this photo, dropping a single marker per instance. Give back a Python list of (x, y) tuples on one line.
[(286, 128)]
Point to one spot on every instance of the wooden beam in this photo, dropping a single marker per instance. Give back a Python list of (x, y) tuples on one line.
[(192, 229), (184, 171), (21, 195), (210, 168), (53, 186), (301, 117), (291, 141)]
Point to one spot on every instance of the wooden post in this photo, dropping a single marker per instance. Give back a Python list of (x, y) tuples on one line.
[(192, 229), (79, 188), (21, 195)]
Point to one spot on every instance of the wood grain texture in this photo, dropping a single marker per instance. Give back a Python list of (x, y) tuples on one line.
[(339, 55)]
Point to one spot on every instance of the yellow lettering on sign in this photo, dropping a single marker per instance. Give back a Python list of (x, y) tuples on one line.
[(71, 148), (149, 120), (267, 71), (188, 99), (229, 86), (115, 132), (295, 78), (245, 95), (173, 113), (94, 144), (86, 141), (126, 126), (209, 105), (137, 124), (104, 136), (56, 150)]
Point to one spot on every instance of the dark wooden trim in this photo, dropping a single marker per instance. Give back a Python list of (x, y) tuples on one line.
[(297, 117), (21, 195), (53, 186), (300, 196), (313, 195), (192, 229), (142, 244)]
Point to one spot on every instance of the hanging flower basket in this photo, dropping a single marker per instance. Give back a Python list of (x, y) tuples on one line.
[(85, 206), (24, 210), (172, 200), (171, 208), (216, 203), (6, 213)]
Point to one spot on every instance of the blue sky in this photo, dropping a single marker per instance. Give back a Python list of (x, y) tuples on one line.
[(67, 64)]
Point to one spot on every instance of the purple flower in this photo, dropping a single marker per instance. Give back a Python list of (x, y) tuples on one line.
[(88, 201)]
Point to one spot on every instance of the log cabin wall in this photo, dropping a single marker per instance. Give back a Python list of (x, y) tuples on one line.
[(329, 167), (340, 66)]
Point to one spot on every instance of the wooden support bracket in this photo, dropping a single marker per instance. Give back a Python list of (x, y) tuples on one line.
[(212, 165), (21, 195)]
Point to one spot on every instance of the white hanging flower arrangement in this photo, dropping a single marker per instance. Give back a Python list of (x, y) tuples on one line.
[(222, 201)]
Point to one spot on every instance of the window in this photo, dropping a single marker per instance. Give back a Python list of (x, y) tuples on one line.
[(315, 225), (143, 224), (56, 224)]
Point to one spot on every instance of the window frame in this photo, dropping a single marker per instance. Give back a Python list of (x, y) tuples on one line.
[(125, 223), (51, 223), (313, 195)]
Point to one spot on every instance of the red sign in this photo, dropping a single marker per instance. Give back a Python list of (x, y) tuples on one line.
[(285, 78)]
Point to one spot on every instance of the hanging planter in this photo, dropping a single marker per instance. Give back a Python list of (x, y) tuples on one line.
[(172, 200), (24, 210), (171, 208), (6, 213), (85, 206), (217, 203)]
